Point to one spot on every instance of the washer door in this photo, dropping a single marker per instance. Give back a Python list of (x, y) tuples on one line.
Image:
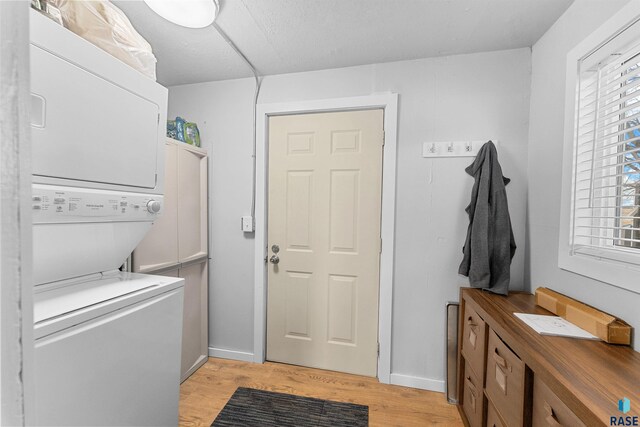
[(120, 369)]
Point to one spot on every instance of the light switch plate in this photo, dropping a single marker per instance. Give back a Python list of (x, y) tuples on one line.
[(247, 224)]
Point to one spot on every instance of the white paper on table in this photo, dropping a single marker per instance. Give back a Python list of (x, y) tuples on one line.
[(554, 325)]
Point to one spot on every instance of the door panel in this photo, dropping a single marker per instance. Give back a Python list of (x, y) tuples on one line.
[(159, 248), (342, 309), (192, 210), (325, 175), (344, 211), (298, 287), (194, 326), (299, 195), (195, 330)]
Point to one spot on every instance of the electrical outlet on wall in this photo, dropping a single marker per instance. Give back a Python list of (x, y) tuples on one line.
[(247, 224)]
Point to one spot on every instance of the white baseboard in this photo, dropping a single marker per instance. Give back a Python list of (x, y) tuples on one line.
[(395, 379), (230, 354), (201, 361), (417, 382)]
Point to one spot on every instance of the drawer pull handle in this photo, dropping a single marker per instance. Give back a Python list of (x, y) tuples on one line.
[(500, 360), (551, 418), (474, 393), (472, 387), (471, 323)]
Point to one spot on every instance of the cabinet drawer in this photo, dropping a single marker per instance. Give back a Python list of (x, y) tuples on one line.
[(505, 383), (492, 417), (549, 410), (473, 399), (474, 341)]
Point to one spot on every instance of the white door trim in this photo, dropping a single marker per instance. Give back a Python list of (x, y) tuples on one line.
[(387, 101)]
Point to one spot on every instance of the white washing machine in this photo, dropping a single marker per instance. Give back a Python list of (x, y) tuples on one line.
[(107, 342), (106, 351)]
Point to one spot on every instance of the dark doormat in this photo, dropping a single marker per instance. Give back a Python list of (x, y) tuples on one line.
[(258, 408)]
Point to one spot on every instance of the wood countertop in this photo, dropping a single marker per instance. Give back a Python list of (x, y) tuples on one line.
[(589, 376)]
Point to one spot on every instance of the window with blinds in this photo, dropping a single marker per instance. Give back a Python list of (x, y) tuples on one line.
[(606, 171)]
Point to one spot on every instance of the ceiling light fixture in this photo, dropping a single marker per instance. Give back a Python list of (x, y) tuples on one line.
[(187, 13)]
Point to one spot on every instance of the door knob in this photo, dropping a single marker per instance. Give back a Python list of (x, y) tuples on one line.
[(275, 258)]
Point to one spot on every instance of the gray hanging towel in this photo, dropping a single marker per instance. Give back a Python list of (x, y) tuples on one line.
[(489, 246)]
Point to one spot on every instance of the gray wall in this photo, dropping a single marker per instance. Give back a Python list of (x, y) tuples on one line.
[(223, 111), (478, 96), (545, 163)]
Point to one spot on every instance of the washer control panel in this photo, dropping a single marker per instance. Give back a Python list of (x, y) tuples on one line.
[(51, 203)]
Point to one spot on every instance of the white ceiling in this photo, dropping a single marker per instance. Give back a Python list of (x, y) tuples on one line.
[(284, 36)]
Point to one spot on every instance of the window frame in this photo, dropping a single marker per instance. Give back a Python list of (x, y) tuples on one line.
[(624, 154), (594, 265)]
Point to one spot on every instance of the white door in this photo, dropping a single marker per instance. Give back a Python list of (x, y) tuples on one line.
[(325, 176)]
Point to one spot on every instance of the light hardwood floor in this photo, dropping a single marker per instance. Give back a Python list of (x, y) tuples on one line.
[(206, 392)]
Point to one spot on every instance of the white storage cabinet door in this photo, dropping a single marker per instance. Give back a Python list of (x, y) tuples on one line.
[(192, 209), (159, 248), (195, 327)]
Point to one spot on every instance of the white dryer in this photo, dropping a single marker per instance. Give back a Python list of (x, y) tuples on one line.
[(108, 343)]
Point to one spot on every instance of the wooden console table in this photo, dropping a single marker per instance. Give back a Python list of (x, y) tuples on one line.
[(509, 375)]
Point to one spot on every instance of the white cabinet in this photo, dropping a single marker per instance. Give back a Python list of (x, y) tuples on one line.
[(192, 203), (177, 245), (195, 321), (159, 249), (180, 234), (195, 348)]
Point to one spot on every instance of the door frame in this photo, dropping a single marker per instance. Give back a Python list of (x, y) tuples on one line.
[(389, 103)]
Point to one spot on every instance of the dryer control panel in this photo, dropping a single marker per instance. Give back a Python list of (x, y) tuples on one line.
[(56, 204)]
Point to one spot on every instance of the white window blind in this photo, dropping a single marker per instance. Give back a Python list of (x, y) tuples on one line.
[(606, 173)]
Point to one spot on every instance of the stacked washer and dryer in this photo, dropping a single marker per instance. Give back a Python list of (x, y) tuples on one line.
[(108, 343)]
